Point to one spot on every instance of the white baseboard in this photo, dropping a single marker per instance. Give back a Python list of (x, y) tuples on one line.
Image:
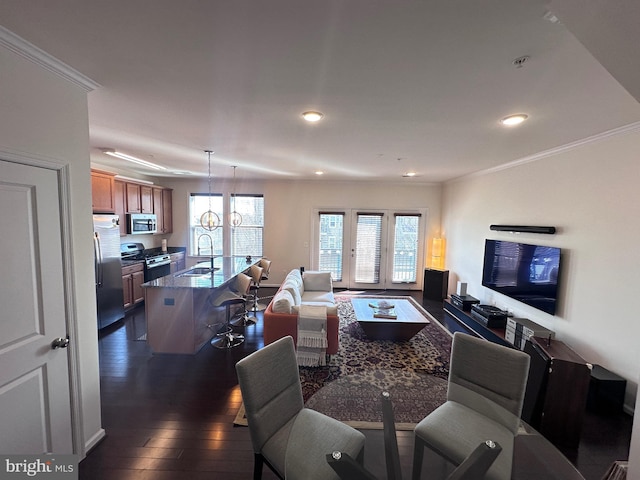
[(93, 441)]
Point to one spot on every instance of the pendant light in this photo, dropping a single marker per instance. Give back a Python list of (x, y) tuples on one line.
[(209, 219), (235, 219)]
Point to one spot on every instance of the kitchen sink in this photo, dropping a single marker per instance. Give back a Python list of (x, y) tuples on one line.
[(197, 272)]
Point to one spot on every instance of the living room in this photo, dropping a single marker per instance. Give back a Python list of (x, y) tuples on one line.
[(585, 189)]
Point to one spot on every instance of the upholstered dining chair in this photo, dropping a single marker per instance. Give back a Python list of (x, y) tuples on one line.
[(485, 393), (472, 468), (290, 439)]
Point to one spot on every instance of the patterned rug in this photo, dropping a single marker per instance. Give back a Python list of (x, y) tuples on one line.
[(348, 388), (414, 372)]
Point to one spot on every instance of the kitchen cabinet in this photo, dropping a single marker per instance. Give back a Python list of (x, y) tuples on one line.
[(111, 195), (146, 199), (132, 280), (102, 192), (132, 191), (120, 202), (139, 198), (167, 210), (177, 262), (162, 207)]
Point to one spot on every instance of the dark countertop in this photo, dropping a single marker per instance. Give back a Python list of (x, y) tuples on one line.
[(127, 263), (158, 250), (227, 269)]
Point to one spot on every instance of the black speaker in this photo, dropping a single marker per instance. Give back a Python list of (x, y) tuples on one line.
[(436, 283), (523, 229)]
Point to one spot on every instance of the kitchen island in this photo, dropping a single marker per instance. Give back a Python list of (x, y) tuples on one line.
[(179, 316)]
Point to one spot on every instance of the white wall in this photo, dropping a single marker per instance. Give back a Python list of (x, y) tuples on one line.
[(590, 193), (289, 206), (45, 117)]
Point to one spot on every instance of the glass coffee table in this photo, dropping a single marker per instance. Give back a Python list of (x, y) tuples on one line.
[(409, 318)]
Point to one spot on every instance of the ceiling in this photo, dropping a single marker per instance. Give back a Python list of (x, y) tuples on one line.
[(404, 85)]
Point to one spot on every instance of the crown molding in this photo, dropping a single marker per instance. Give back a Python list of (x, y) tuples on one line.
[(21, 47), (631, 128)]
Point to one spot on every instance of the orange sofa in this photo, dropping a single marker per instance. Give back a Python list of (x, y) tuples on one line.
[(281, 315)]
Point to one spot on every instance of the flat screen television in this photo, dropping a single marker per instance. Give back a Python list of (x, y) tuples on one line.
[(528, 273)]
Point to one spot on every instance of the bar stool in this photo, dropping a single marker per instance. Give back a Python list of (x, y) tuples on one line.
[(265, 263), (256, 276), (226, 338), (242, 319)]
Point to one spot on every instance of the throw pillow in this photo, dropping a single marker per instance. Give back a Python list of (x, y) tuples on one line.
[(317, 281), (282, 302), (293, 289), (296, 277)]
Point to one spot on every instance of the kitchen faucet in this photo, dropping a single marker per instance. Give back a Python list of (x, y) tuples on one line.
[(210, 243), (210, 246)]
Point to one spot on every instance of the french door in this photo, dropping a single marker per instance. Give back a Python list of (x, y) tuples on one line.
[(370, 249)]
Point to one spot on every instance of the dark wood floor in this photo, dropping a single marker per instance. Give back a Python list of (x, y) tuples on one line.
[(171, 416)]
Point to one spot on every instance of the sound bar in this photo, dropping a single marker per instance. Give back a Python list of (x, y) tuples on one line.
[(523, 229)]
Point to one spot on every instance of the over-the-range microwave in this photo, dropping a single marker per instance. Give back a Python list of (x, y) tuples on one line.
[(138, 223)]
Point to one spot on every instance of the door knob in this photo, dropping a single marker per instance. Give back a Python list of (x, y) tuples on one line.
[(60, 343)]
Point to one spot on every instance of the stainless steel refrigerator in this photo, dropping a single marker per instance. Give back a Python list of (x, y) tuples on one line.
[(108, 269)]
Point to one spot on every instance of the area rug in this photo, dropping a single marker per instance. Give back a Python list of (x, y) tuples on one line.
[(348, 388)]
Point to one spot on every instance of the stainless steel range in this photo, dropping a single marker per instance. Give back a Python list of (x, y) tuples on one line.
[(156, 264)]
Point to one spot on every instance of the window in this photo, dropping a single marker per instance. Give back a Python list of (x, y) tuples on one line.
[(330, 243), (202, 241), (245, 239)]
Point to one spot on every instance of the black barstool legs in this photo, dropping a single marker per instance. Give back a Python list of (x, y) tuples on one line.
[(227, 338)]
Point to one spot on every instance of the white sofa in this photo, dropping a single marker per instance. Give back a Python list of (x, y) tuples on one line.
[(310, 288)]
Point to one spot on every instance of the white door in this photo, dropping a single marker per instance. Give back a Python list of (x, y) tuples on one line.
[(35, 406)]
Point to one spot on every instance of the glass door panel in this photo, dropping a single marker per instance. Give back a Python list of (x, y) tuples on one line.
[(367, 244), (330, 243), (406, 244)]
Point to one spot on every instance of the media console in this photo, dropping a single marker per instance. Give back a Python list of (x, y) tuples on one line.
[(458, 320), (558, 383)]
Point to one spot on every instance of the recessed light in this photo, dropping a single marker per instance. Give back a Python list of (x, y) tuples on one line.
[(513, 120), (409, 174), (319, 172), (312, 116)]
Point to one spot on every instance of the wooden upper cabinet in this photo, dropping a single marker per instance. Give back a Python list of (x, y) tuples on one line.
[(139, 198), (163, 209), (146, 199), (133, 198), (121, 205), (157, 207), (167, 210), (102, 194), (121, 197)]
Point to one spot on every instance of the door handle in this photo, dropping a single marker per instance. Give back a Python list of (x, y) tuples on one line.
[(60, 343)]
